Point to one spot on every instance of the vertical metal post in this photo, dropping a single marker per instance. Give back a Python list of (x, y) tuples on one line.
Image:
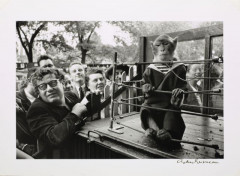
[(116, 128), (113, 89), (206, 82)]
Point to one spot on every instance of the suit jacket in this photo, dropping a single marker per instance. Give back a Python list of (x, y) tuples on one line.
[(22, 105), (54, 127), (76, 93)]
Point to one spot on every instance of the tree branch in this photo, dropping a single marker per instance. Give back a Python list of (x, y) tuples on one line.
[(24, 35), (21, 40), (91, 33), (37, 31), (80, 37)]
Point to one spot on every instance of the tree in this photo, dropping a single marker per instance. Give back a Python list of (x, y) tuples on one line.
[(83, 31), (27, 32)]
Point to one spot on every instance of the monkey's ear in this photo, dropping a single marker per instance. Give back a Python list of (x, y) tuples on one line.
[(175, 40), (151, 43), (153, 48)]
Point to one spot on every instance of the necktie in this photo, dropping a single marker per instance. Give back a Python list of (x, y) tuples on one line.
[(81, 94)]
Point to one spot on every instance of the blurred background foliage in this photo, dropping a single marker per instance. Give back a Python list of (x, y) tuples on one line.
[(66, 41)]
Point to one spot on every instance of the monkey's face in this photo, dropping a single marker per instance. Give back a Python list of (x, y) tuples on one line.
[(162, 50)]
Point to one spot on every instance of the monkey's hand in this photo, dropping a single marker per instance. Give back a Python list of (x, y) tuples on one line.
[(177, 97), (147, 90)]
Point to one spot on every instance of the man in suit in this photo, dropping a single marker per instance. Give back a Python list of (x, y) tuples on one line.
[(53, 117), (24, 98), (77, 73)]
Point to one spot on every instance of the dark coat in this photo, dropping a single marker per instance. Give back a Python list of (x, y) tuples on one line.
[(54, 127), (170, 121), (82, 94), (23, 133)]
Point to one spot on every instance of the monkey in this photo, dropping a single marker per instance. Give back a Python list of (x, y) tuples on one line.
[(163, 125)]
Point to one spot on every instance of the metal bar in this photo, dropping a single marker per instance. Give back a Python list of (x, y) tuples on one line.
[(206, 82), (132, 81), (215, 60), (204, 107), (113, 90), (132, 98), (211, 92), (175, 140), (195, 143), (215, 116), (203, 78), (184, 105)]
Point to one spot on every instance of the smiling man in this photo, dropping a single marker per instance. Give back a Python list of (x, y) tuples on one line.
[(95, 83), (77, 73), (53, 118)]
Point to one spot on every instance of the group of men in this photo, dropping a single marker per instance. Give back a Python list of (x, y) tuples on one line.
[(47, 115)]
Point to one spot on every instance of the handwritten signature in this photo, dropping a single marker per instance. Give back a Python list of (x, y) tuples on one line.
[(196, 161)]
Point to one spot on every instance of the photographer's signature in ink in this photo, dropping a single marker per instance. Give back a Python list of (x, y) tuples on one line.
[(196, 161)]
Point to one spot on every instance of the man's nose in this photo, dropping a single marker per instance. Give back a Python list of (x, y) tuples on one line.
[(49, 87)]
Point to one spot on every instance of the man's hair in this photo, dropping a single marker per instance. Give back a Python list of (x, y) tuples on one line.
[(31, 71), (43, 57), (91, 71), (24, 83), (194, 66), (41, 72), (74, 63)]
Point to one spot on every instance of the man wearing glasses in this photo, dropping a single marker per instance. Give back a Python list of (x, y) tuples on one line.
[(45, 61), (53, 118)]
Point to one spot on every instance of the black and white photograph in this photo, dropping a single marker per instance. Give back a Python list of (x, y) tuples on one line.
[(119, 89), (134, 88)]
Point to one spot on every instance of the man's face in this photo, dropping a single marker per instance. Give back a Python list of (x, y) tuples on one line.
[(46, 63), (96, 82), (32, 90), (195, 71), (77, 73), (68, 84), (51, 90)]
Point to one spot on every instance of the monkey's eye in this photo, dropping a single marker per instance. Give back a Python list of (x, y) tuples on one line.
[(165, 43)]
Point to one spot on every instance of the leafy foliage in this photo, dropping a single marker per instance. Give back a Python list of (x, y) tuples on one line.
[(66, 41)]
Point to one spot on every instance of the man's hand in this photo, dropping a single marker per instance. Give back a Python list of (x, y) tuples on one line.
[(79, 109), (177, 97), (147, 89)]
